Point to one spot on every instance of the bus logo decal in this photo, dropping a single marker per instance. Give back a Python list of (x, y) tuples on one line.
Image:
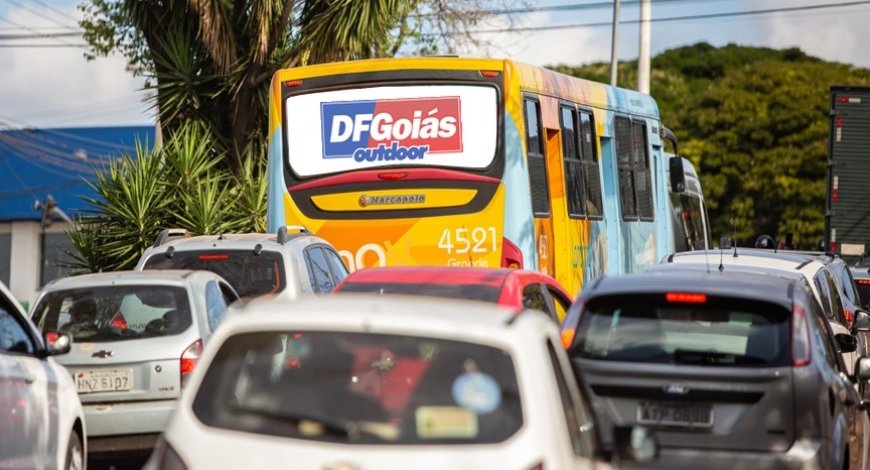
[(392, 129), (365, 201)]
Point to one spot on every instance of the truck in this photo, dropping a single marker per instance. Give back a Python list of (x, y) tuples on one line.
[(847, 205)]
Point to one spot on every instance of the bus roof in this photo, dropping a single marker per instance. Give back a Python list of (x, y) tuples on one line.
[(531, 78)]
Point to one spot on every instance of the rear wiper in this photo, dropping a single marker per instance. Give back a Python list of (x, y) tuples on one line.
[(331, 426), (689, 356)]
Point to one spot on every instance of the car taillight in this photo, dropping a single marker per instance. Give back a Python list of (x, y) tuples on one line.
[(118, 321), (686, 297), (567, 337), (166, 458), (511, 256), (850, 317), (188, 360), (800, 337)]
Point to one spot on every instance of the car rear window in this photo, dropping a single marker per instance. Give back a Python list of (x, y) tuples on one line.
[(863, 286), (361, 388), (479, 292), (688, 329), (250, 274), (114, 313)]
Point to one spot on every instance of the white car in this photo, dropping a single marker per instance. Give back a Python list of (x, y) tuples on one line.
[(41, 420), (357, 382), (820, 279), (294, 262)]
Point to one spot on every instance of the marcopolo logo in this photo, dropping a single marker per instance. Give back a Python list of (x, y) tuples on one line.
[(391, 130), (365, 201)]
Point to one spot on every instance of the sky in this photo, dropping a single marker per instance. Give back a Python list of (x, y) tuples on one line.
[(58, 87)]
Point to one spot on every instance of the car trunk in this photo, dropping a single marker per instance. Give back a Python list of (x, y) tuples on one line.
[(129, 370), (696, 406)]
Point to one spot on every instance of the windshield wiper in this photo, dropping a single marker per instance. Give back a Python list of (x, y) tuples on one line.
[(334, 427), (689, 356)]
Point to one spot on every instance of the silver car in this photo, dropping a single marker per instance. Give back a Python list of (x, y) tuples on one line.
[(136, 338), (292, 263)]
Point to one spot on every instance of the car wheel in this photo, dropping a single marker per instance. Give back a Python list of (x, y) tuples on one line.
[(75, 457)]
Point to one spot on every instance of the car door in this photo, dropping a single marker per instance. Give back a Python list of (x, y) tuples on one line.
[(28, 427)]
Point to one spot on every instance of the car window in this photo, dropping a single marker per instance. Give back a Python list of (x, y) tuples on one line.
[(228, 293), (581, 438), (318, 270), (534, 297), (13, 336), (215, 305), (846, 282), (827, 302), (250, 274), (482, 292), (824, 337), (361, 388), (836, 299), (702, 330), (336, 265), (114, 313), (560, 303)]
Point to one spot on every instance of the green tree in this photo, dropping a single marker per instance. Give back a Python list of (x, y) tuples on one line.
[(211, 60), (754, 122)]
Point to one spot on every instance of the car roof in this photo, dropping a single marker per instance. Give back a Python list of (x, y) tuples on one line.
[(164, 276), (860, 272), (431, 275), (783, 260), (227, 240), (742, 284), (411, 313)]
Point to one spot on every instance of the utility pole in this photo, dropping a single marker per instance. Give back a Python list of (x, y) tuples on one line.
[(614, 43), (643, 51)]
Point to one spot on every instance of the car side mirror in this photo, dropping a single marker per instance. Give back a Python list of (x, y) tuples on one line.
[(862, 369), (57, 344), (638, 444), (846, 342), (678, 175), (862, 321)]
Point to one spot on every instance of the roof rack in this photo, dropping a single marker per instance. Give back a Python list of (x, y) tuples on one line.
[(284, 236), (170, 233)]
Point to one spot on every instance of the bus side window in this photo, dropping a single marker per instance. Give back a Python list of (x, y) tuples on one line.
[(536, 160), (625, 167), (574, 187), (591, 172), (642, 174)]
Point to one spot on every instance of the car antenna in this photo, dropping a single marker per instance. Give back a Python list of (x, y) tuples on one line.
[(724, 244)]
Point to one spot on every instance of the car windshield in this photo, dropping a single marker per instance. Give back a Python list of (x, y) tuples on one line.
[(479, 292), (114, 313), (692, 329), (249, 273), (361, 388)]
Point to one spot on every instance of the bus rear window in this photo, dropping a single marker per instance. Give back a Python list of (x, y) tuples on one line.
[(451, 126)]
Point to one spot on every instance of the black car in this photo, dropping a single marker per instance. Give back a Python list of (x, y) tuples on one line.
[(732, 369)]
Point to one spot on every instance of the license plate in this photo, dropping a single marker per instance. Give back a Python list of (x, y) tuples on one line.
[(675, 414), (113, 380)]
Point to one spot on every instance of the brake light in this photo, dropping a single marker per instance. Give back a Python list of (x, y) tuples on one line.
[(293, 83), (392, 176), (118, 321), (800, 338), (489, 73), (511, 256), (850, 317), (863, 282), (213, 257), (686, 298), (51, 337), (567, 337), (188, 360)]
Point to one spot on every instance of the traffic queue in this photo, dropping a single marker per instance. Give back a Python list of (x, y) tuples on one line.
[(251, 349)]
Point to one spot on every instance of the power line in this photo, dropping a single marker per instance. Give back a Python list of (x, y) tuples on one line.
[(729, 14), (576, 6), (57, 11), (10, 37), (26, 46), (32, 30), (36, 12)]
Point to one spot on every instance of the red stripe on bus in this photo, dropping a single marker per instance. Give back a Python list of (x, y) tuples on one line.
[(414, 174)]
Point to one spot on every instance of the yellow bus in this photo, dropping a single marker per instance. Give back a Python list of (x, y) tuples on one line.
[(470, 162)]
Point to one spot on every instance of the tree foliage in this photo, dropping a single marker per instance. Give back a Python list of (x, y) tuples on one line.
[(754, 122), (211, 60)]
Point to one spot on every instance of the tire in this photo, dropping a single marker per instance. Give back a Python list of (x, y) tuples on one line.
[(75, 457)]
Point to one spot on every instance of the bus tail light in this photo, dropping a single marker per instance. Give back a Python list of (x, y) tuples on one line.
[(800, 337), (511, 256), (293, 83), (489, 73)]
